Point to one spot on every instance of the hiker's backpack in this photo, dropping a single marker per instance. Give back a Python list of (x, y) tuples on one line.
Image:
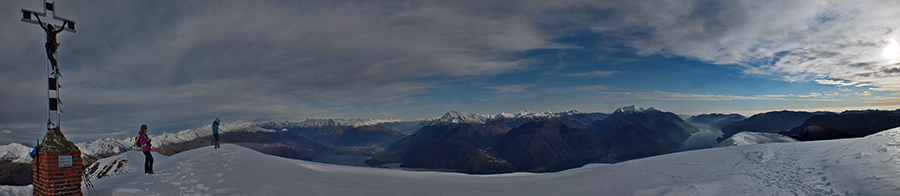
[(137, 141)]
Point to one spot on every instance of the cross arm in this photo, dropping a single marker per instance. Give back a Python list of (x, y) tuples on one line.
[(28, 14)]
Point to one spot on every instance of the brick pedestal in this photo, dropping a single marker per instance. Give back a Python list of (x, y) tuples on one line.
[(57, 167)]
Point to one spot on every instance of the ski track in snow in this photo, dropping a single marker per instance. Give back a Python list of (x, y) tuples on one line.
[(863, 166)]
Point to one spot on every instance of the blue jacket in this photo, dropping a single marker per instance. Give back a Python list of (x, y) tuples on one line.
[(215, 127)]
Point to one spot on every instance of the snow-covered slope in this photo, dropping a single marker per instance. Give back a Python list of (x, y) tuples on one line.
[(750, 138), (15, 190), (15, 152), (131, 161), (861, 166)]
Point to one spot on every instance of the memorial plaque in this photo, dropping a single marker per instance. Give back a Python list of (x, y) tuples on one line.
[(65, 161)]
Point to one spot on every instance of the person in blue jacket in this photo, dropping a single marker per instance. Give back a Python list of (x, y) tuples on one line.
[(215, 129)]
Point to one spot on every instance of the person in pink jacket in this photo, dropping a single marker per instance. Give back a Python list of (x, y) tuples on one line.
[(145, 142)]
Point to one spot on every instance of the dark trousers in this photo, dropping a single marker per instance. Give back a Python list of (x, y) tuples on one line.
[(148, 162), (217, 140)]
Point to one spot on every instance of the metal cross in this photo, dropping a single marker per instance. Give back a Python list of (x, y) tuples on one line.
[(54, 102), (26, 17)]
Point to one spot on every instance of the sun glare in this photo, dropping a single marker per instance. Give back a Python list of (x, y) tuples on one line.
[(891, 51)]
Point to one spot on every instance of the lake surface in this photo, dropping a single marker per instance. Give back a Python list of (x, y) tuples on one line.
[(706, 138)]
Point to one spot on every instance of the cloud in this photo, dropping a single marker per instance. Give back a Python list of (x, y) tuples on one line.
[(839, 83), (813, 94), (600, 73), (21, 132), (136, 62), (662, 95), (795, 41), (882, 100), (508, 88), (141, 62), (330, 45), (592, 88), (774, 96)]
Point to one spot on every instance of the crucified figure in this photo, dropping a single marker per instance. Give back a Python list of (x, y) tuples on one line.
[(51, 45)]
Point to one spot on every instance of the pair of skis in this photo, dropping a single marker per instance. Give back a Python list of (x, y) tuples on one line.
[(87, 182)]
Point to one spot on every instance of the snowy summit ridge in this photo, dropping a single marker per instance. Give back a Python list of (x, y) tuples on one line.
[(341, 122), (633, 109), (105, 146), (453, 117), (333, 122), (15, 152)]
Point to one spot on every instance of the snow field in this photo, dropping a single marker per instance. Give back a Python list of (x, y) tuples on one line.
[(861, 166), (867, 166), (749, 138)]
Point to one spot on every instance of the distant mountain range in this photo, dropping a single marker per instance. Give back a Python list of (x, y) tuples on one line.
[(550, 144), (454, 142), (633, 132), (341, 132), (769, 122), (480, 144), (847, 124), (15, 164), (715, 120), (547, 142)]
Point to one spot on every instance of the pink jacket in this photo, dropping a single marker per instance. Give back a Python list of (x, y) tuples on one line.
[(144, 140)]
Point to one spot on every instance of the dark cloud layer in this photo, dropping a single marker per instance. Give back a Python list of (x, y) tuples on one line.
[(176, 64), (171, 63)]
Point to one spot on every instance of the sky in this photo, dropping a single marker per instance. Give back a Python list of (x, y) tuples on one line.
[(180, 64)]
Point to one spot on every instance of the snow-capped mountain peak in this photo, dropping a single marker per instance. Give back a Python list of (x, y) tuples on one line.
[(339, 122), (629, 109), (527, 114), (453, 117), (633, 109), (15, 152), (105, 146)]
